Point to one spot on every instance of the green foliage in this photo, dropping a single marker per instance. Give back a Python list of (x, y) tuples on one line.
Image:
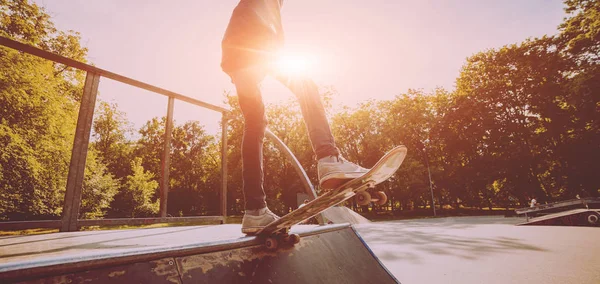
[(37, 123), (142, 188), (25, 22), (188, 191), (110, 131), (135, 197), (38, 112), (359, 133), (151, 145), (99, 188), (581, 29)]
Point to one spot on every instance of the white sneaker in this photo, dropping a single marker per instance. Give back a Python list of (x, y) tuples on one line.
[(335, 170), (253, 223)]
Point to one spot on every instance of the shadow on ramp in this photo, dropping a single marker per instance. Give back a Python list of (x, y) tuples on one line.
[(325, 254), (343, 214)]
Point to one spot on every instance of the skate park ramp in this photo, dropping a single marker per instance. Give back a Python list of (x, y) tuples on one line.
[(199, 254), (575, 217), (343, 214)]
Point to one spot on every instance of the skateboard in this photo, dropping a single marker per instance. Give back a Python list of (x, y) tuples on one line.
[(278, 231)]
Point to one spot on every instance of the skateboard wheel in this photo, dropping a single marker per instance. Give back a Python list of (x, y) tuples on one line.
[(363, 198), (382, 198), (592, 219), (271, 243), (294, 239), (291, 239)]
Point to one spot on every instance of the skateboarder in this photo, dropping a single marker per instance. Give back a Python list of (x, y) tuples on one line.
[(253, 38), (533, 203)]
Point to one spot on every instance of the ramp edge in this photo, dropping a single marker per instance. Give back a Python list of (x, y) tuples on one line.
[(373, 254), (27, 270)]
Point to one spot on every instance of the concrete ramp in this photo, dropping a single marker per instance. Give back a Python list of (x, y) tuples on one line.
[(343, 214), (575, 217), (203, 254)]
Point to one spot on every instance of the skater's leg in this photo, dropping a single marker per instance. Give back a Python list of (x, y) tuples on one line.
[(247, 84), (333, 170), (313, 112)]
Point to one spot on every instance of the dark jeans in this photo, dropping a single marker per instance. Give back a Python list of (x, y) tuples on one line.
[(247, 83)]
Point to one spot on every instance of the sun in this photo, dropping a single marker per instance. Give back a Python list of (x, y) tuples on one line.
[(294, 64)]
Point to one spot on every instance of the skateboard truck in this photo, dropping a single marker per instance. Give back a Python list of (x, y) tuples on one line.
[(284, 238), (363, 197)]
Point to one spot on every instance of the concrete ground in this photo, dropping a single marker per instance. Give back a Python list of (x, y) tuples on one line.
[(484, 250)]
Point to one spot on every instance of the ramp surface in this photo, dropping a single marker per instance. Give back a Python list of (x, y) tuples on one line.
[(485, 250), (575, 217), (202, 254)]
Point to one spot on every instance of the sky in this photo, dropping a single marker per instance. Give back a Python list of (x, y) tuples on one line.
[(364, 49)]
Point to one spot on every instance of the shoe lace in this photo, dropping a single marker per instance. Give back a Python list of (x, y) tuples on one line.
[(343, 160)]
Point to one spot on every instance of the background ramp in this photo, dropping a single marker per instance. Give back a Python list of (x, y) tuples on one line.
[(575, 217), (325, 254)]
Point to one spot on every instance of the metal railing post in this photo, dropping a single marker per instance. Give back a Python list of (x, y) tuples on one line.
[(166, 160), (73, 193), (72, 201), (224, 125)]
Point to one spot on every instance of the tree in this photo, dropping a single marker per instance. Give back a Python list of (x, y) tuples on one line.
[(99, 188), (580, 31), (37, 128), (38, 111), (110, 131), (150, 145), (135, 197), (410, 119), (359, 133), (579, 41), (190, 193)]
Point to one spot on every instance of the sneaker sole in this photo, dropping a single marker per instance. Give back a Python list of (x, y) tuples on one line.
[(251, 230), (336, 179)]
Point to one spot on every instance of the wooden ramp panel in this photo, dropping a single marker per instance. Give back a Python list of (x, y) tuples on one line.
[(326, 254)]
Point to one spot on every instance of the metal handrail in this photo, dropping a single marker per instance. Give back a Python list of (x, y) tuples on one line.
[(72, 201), (308, 187), (104, 73), (71, 206)]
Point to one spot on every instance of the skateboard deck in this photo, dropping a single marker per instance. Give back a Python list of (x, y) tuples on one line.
[(380, 172)]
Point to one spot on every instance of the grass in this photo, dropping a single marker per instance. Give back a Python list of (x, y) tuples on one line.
[(28, 232)]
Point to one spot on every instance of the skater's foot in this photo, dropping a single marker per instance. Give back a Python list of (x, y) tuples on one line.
[(335, 171), (254, 220)]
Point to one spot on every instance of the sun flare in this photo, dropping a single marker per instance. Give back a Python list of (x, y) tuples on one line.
[(294, 64)]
